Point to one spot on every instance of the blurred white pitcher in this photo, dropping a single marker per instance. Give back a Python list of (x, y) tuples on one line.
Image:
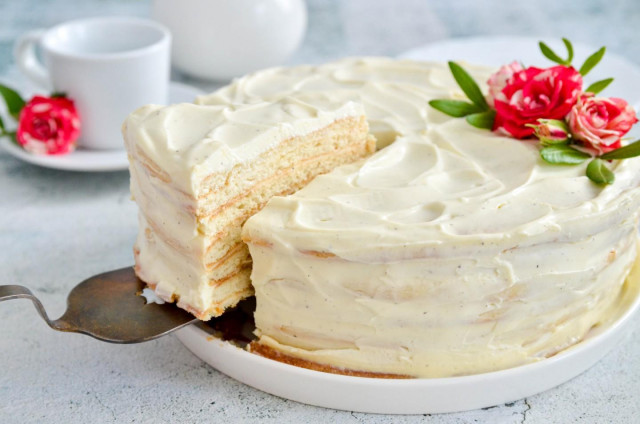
[(222, 39), (107, 66)]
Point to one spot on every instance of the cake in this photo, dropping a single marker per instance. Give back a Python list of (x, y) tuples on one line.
[(451, 251), (198, 172)]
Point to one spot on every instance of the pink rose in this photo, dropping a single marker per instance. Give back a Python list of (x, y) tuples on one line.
[(48, 126), (600, 123), (535, 93), (499, 80)]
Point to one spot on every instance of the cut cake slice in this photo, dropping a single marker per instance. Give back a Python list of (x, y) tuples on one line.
[(198, 172)]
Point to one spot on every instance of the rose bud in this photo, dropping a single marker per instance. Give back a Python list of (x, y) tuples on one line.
[(600, 123), (48, 126), (551, 131)]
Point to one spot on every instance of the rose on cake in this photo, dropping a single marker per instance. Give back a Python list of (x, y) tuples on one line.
[(572, 124), (600, 123), (532, 94)]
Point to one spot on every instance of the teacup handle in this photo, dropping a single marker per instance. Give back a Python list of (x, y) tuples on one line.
[(25, 56)]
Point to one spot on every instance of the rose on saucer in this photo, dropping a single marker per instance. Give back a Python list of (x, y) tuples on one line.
[(46, 125)]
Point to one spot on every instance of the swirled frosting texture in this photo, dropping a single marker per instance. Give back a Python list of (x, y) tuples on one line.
[(451, 251)]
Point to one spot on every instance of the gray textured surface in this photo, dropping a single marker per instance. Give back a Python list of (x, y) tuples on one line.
[(57, 228)]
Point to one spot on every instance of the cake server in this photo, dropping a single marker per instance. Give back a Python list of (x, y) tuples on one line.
[(109, 307)]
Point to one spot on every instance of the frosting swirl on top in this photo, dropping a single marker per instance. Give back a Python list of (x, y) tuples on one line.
[(393, 92)]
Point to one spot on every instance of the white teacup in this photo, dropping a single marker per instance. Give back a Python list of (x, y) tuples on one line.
[(107, 66)]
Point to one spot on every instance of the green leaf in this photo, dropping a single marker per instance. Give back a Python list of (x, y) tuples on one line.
[(2, 127), (569, 47), (629, 151), (592, 61), (551, 55), (563, 155), (598, 86), (468, 86), (456, 108), (483, 120), (598, 172), (13, 100)]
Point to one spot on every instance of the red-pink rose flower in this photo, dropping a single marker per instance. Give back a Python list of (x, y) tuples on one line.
[(498, 81), (535, 93), (48, 126), (600, 123)]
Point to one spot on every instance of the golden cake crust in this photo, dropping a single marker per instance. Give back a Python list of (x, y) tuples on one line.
[(270, 353)]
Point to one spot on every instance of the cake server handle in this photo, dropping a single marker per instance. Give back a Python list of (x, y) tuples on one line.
[(20, 292), (109, 307)]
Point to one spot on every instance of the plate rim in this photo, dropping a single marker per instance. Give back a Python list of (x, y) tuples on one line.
[(499, 39)]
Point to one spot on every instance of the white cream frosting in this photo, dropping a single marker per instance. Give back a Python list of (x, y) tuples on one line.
[(451, 251)]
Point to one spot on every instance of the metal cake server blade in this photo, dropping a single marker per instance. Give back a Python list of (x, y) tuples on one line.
[(108, 307)]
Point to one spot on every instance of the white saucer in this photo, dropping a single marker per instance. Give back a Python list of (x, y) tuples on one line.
[(496, 51), (94, 160)]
